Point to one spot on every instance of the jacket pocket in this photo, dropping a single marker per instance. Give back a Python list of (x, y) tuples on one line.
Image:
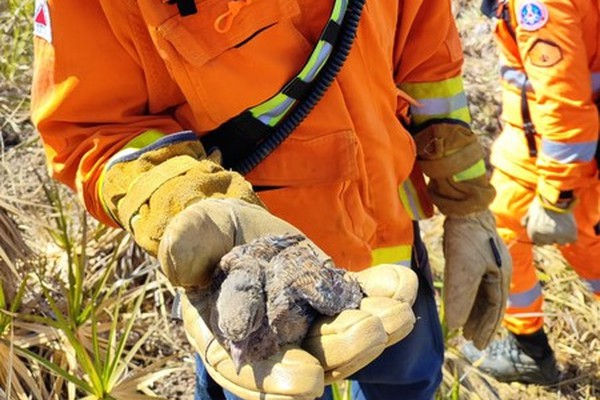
[(223, 72), (304, 161)]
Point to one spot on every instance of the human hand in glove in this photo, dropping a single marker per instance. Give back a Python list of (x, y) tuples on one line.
[(476, 276), (334, 348), (549, 223), (182, 206), (478, 265)]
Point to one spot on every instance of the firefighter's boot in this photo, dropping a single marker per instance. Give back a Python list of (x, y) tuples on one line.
[(516, 358)]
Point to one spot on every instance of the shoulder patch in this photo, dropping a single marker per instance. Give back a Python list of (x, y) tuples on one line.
[(41, 21), (544, 53), (532, 15)]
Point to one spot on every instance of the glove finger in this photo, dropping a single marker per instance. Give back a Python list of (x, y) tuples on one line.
[(486, 317), (292, 373), (488, 310), (344, 371), (460, 291), (397, 317), (192, 244), (463, 270), (389, 280), (345, 343)]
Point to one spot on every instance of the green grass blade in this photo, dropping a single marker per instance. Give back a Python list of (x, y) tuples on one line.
[(57, 370), (121, 345)]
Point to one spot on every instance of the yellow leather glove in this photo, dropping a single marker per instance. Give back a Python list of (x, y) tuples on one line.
[(550, 223), (145, 185), (339, 345), (478, 265), (476, 276), (184, 207)]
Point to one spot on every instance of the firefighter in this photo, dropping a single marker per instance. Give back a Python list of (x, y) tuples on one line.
[(199, 125), (546, 167)]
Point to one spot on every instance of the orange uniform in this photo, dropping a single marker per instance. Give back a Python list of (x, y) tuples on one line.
[(548, 56), (160, 71)]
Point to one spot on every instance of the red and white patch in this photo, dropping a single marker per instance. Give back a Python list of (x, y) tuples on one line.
[(41, 21)]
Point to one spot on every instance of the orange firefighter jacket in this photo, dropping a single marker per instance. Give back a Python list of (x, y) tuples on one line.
[(106, 71), (550, 49)]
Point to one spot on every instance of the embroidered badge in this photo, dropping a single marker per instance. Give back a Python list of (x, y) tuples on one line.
[(544, 53), (41, 21), (532, 15)]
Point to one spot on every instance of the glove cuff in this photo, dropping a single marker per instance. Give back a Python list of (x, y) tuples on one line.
[(143, 187), (445, 149), (561, 206), (450, 154)]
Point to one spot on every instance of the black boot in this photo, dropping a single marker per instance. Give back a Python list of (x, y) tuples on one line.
[(517, 358)]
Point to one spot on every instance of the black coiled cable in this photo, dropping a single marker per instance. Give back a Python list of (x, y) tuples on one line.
[(320, 85)]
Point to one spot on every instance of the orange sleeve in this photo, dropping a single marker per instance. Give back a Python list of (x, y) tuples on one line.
[(89, 96), (428, 63), (428, 47), (555, 61)]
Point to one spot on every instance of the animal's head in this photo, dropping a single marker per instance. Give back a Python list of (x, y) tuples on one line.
[(241, 310)]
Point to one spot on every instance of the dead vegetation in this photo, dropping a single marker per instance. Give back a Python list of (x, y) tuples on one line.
[(84, 313)]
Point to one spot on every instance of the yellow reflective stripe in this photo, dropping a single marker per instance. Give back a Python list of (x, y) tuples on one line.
[(474, 171), (431, 90), (142, 140), (339, 9), (315, 62), (441, 105), (273, 110), (139, 142), (441, 99), (411, 201), (393, 255), (462, 114)]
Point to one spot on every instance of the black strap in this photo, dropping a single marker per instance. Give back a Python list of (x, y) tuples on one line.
[(245, 140), (503, 13), (528, 126), (236, 138), (185, 7)]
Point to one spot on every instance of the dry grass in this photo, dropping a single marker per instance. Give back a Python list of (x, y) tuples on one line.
[(57, 265)]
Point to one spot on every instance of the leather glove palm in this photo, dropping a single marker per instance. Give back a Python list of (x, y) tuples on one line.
[(476, 277), (549, 224), (334, 348)]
